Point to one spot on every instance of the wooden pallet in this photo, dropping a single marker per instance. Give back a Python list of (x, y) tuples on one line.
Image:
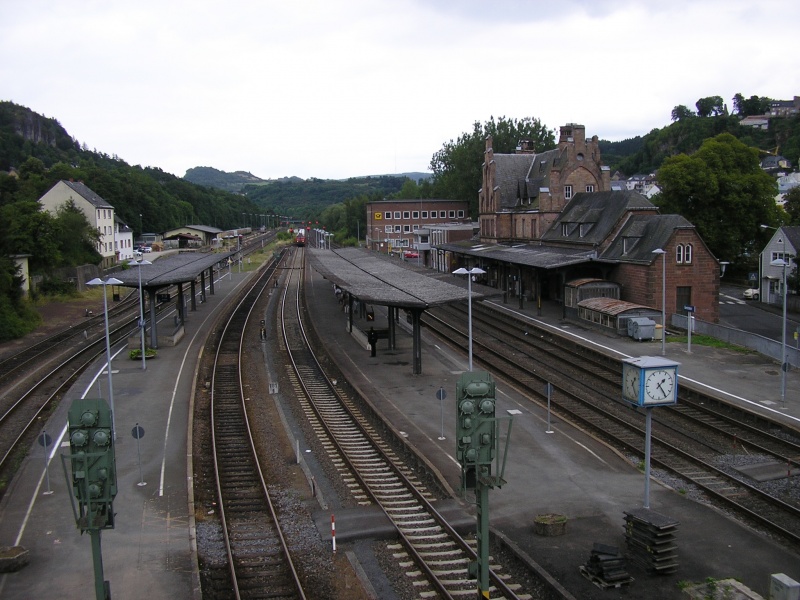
[(602, 583)]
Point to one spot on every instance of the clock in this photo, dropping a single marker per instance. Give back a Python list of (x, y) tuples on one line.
[(650, 381), (630, 382), (659, 385)]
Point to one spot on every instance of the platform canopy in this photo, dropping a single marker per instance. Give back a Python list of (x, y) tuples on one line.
[(171, 270), (376, 280)]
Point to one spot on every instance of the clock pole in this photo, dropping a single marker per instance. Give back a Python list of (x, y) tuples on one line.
[(648, 424)]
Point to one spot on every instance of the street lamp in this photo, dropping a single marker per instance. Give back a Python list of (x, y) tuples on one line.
[(782, 262), (470, 273), (140, 263), (663, 254), (107, 282)]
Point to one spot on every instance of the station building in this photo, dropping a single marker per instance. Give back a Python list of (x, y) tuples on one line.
[(553, 217)]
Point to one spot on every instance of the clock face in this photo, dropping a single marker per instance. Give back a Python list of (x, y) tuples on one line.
[(659, 385), (630, 384)]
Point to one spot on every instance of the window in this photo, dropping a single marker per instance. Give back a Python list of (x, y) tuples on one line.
[(388, 229), (397, 228), (415, 214), (397, 214), (424, 214), (584, 228), (628, 243), (461, 214), (452, 214), (406, 215), (387, 215), (590, 188), (415, 227), (565, 229), (778, 256), (406, 228), (567, 192), (683, 254)]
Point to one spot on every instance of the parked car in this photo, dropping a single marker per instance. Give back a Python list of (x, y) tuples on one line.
[(751, 294), (146, 249)]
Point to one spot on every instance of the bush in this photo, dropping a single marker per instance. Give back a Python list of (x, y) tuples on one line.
[(53, 287), (16, 322)]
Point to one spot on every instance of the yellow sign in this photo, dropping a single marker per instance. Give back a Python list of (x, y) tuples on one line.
[(378, 216)]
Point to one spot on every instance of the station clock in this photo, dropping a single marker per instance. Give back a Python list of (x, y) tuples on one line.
[(650, 381)]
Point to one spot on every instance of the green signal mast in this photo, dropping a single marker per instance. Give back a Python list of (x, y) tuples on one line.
[(94, 476), (477, 436)]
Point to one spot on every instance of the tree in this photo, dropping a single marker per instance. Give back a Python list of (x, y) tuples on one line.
[(792, 206), (457, 173), (754, 105), (681, 112), (710, 107), (722, 190)]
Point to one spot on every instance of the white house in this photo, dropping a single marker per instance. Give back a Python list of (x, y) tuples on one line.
[(99, 213), (783, 245), (123, 239)]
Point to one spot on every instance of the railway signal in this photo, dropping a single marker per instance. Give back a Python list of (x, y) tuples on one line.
[(94, 476), (476, 449)]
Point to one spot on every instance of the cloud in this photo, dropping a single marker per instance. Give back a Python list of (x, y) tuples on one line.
[(337, 89)]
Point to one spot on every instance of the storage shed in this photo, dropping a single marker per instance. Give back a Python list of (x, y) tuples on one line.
[(613, 314), (578, 290)]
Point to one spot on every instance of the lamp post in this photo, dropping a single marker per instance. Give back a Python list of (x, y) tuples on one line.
[(663, 254), (108, 281), (782, 262), (469, 274), (140, 263)]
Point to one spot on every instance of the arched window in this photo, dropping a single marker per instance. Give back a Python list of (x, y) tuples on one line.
[(679, 254), (687, 254)]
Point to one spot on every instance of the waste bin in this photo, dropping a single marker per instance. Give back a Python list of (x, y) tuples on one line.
[(641, 328)]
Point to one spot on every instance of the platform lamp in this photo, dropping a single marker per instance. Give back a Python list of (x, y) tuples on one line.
[(782, 262), (469, 273), (105, 283), (663, 254), (140, 263)]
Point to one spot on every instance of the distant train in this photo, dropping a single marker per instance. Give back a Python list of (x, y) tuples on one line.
[(300, 237)]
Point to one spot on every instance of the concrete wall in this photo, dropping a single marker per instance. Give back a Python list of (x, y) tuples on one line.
[(771, 348)]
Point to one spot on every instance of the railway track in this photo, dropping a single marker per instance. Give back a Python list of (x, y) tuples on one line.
[(688, 441), (432, 552), (259, 561)]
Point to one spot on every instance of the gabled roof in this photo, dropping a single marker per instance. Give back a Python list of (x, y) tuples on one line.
[(792, 233), (511, 170), (591, 216), (86, 193), (641, 235)]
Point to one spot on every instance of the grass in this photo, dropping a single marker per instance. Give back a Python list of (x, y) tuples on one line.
[(707, 340)]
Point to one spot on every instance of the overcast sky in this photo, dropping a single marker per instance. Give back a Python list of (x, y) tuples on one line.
[(336, 89)]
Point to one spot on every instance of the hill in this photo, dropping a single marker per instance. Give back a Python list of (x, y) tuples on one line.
[(43, 152), (646, 154), (230, 182)]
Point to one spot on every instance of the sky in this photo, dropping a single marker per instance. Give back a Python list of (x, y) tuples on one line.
[(343, 88)]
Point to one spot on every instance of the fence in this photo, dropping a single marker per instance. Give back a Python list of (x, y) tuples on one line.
[(771, 348)]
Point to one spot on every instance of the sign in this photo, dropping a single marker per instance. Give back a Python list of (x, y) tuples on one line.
[(378, 216), (441, 394), (137, 432), (688, 308), (753, 276)]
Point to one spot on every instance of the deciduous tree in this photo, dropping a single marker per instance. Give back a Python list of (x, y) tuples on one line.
[(457, 166), (722, 190)]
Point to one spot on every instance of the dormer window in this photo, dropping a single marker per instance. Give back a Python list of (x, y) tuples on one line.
[(567, 192), (584, 229), (628, 244)]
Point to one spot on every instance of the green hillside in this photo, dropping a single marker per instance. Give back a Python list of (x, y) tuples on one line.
[(645, 154), (147, 199)]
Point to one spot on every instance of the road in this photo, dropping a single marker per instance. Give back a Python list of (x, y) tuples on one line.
[(754, 317)]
